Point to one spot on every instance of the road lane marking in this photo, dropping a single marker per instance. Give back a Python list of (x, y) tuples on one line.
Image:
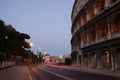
[(61, 76), (31, 77)]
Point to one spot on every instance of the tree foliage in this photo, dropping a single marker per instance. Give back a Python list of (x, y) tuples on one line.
[(12, 40), (2, 57), (68, 61)]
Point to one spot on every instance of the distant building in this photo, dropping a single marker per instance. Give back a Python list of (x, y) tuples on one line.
[(46, 57), (95, 31), (54, 59), (59, 59)]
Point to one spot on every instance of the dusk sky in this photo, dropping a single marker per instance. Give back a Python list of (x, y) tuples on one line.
[(48, 22)]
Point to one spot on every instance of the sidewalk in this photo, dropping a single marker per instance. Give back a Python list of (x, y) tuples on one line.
[(15, 73), (95, 71)]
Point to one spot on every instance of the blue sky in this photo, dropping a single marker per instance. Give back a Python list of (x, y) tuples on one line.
[(48, 22)]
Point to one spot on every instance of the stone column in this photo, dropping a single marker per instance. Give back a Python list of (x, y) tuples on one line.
[(116, 65), (112, 63), (82, 60), (81, 40), (112, 57), (88, 16), (89, 62), (95, 9), (78, 62), (98, 60), (88, 37), (109, 28), (106, 4), (96, 31)]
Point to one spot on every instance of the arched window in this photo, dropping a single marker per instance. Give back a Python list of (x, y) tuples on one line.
[(84, 37), (90, 12), (92, 33), (79, 41), (84, 18), (115, 22), (100, 5), (79, 23), (102, 28)]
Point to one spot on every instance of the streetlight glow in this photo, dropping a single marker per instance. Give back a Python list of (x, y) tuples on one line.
[(6, 37), (22, 46), (31, 44), (39, 49)]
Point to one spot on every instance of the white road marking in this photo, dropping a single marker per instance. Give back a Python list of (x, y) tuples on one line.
[(61, 76), (31, 77)]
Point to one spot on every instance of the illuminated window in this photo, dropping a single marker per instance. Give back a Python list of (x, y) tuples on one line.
[(108, 58), (92, 33), (100, 5), (115, 23), (74, 29), (90, 12), (77, 26), (79, 22), (84, 37), (102, 28), (79, 41), (84, 18)]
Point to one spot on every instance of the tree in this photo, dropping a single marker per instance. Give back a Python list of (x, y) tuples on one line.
[(2, 57), (2, 28), (68, 61), (13, 40), (24, 36)]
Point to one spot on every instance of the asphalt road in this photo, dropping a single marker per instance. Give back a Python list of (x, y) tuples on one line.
[(50, 73)]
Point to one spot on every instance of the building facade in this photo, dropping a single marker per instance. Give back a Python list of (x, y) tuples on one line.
[(95, 32)]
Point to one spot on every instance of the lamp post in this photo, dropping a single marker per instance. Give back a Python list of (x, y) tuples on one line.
[(39, 54)]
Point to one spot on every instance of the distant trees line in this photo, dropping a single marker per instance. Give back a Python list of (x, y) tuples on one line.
[(13, 45)]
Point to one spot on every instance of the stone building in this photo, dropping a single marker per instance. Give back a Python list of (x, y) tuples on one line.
[(95, 32)]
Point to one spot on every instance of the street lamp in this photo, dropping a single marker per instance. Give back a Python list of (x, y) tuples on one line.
[(31, 44), (22, 46), (39, 54), (39, 49), (6, 37)]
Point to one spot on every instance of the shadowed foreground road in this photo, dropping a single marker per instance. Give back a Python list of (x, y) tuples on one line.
[(50, 73)]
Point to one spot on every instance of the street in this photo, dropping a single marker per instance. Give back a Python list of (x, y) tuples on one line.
[(50, 73), (45, 72)]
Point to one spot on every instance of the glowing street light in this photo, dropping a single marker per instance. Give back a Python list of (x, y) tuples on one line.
[(61, 57), (39, 49), (31, 44), (22, 46), (38, 52), (6, 37)]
